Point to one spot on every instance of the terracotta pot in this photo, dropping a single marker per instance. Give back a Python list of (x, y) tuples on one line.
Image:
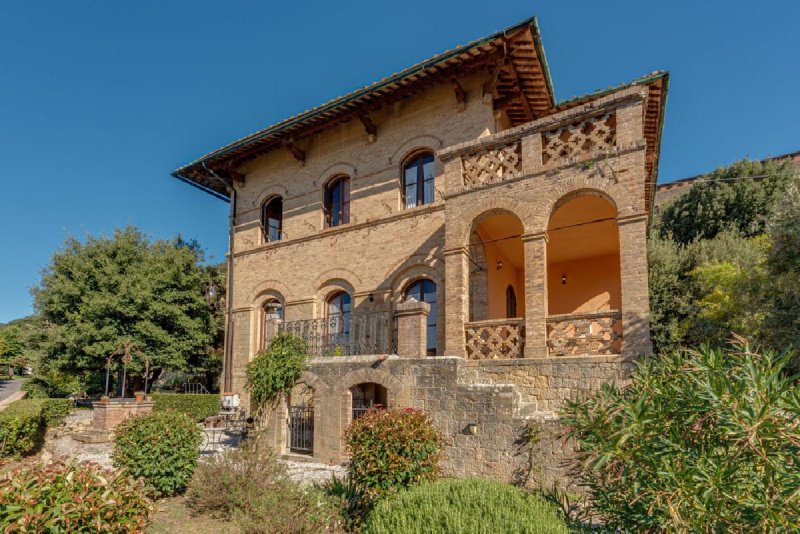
[(104, 399), (139, 396)]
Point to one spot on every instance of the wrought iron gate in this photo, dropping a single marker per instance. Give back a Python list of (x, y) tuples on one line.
[(301, 429), (360, 407)]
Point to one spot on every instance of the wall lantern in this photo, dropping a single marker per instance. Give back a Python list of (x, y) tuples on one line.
[(564, 279), (472, 429), (499, 264)]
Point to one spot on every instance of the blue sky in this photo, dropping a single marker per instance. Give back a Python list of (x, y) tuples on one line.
[(100, 100)]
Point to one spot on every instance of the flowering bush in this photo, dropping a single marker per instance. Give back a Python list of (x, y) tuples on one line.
[(391, 449), (161, 448), (72, 498)]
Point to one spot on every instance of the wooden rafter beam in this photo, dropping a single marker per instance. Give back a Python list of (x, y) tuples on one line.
[(515, 78), (298, 154), (461, 96), (369, 126)]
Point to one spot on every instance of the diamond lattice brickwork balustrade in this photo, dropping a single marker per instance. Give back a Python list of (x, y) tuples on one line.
[(596, 135), (493, 165), (580, 334), (496, 339)]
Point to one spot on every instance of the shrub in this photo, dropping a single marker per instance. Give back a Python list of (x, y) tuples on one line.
[(703, 440), (250, 488), (161, 448), (196, 406), (54, 411), (52, 385), (353, 507), (392, 449), (21, 427), (456, 506), (72, 498)]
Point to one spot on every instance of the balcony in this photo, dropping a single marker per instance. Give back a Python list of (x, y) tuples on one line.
[(592, 333), (351, 335)]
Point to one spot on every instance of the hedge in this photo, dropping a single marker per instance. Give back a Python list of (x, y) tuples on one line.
[(197, 406), (23, 422)]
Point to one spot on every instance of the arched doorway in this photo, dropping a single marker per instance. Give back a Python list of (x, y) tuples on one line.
[(300, 420), (367, 395), (583, 277)]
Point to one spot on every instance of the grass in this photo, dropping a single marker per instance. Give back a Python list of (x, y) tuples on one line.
[(173, 516)]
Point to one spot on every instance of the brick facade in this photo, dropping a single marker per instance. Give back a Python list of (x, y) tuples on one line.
[(492, 179)]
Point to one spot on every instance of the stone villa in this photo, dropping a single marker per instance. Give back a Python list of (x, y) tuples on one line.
[(450, 238)]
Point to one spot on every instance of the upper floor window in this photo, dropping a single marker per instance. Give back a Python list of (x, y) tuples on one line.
[(272, 219), (511, 302), (338, 318), (337, 201), (418, 180)]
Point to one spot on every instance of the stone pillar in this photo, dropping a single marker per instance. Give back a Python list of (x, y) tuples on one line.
[(412, 323), (456, 300), (635, 298), (535, 247)]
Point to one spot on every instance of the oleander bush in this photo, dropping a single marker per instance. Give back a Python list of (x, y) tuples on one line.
[(248, 487), (196, 406), (456, 506), (700, 441), (392, 449), (161, 448), (21, 427), (72, 499)]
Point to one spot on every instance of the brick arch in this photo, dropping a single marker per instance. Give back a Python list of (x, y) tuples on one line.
[(425, 141), (269, 192), (314, 382), (332, 275), (272, 288), (575, 187), (416, 271), (476, 212), (396, 391), (341, 168)]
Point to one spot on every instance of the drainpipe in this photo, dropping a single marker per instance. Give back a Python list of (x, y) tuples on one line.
[(227, 368)]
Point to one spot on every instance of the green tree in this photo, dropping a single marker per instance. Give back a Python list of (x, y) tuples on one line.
[(98, 294), (736, 197), (11, 349), (782, 322)]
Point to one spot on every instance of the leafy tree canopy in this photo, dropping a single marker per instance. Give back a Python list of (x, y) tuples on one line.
[(99, 293), (738, 197)]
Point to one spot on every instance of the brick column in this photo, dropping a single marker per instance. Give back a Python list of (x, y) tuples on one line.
[(635, 298), (456, 300), (412, 327), (535, 247), (531, 148)]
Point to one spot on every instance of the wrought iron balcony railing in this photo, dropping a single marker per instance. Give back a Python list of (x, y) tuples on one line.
[(351, 335)]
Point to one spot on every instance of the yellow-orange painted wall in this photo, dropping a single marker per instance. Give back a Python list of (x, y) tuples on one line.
[(593, 284), (499, 280)]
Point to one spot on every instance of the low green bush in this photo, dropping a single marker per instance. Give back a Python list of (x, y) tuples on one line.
[(54, 411), (196, 406), (52, 385), (21, 427), (248, 487), (457, 506), (392, 449), (698, 441), (161, 448), (72, 498)]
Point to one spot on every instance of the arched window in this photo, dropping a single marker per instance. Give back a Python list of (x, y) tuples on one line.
[(418, 179), (511, 302), (272, 309), (338, 315), (425, 291), (272, 219), (337, 201)]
